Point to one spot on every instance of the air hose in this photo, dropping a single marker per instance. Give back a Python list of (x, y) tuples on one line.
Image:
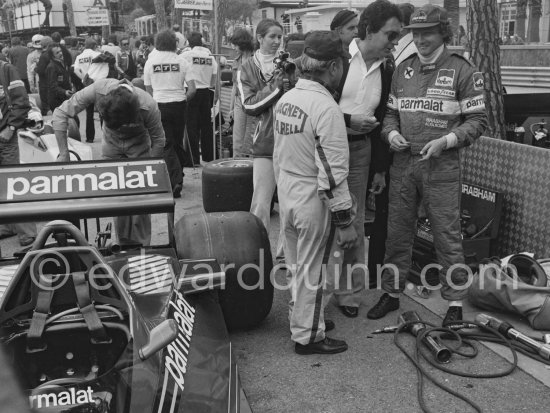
[(463, 339)]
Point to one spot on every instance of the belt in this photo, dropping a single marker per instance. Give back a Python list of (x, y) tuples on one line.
[(355, 138), (179, 102)]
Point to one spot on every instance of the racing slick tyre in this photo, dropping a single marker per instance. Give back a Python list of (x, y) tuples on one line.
[(227, 185), (239, 242)]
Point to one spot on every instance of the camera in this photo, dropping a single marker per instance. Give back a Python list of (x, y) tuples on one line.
[(282, 63)]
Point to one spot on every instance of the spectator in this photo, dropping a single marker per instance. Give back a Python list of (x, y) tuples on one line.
[(32, 60), (260, 87), (204, 69), (89, 71), (363, 100), (168, 89), (58, 77), (40, 69), (298, 24), (345, 25), (405, 47), (112, 45), (132, 128), (517, 40), (125, 62), (18, 57), (243, 124), (182, 41), (67, 57)]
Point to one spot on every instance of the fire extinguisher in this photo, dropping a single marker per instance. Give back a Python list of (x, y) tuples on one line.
[(540, 134)]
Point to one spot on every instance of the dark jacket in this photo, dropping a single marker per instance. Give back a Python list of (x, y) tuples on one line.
[(381, 157), (59, 82), (14, 102), (18, 56), (41, 67)]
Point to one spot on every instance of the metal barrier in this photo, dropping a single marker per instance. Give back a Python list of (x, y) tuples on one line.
[(526, 77)]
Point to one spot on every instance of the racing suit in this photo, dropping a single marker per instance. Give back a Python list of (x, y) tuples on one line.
[(14, 107), (146, 140), (428, 102), (311, 161)]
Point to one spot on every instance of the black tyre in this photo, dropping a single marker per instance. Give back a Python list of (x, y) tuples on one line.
[(227, 185), (240, 244)]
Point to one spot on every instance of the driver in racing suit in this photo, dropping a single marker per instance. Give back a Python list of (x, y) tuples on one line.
[(436, 106), (132, 128)]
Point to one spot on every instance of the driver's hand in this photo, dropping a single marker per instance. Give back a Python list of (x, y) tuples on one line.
[(346, 237)]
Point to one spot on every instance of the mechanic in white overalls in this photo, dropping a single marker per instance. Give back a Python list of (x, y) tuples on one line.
[(165, 74), (199, 111), (311, 163)]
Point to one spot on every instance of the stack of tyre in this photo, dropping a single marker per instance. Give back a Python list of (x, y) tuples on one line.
[(236, 238)]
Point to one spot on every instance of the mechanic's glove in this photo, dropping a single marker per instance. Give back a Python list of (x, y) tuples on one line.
[(6, 134)]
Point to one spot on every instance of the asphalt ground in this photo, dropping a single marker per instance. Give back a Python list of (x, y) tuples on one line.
[(373, 375)]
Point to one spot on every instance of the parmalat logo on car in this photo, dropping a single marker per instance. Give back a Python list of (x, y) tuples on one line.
[(177, 353), (93, 180), (69, 397)]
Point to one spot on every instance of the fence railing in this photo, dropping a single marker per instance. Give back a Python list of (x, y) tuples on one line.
[(526, 77)]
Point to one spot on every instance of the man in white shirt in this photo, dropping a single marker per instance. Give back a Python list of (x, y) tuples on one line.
[(199, 126), (165, 75), (89, 72), (379, 28), (181, 40)]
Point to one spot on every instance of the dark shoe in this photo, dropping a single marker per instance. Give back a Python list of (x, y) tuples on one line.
[(383, 307), (25, 242), (454, 315), (348, 311), (326, 346), (329, 325), (89, 141), (177, 191)]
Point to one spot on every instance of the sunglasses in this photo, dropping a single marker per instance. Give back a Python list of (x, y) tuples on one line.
[(392, 35), (125, 44)]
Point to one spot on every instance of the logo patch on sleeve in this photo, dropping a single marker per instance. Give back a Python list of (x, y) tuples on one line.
[(445, 78), (479, 81)]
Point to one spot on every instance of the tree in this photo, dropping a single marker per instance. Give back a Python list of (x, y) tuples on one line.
[(238, 10), (521, 15), (485, 53), (70, 17), (452, 7), (535, 14), (160, 11)]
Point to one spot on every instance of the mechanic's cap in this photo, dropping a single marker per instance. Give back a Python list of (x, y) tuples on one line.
[(342, 18), (324, 45), (36, 39), (428, 16)]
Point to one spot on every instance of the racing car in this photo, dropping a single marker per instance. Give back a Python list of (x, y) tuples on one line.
[(122, 328)]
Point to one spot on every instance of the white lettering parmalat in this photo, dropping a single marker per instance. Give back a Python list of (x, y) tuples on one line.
[(106, 181)]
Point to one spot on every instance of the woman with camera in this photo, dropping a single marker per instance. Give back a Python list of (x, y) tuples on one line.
[(261, 85)]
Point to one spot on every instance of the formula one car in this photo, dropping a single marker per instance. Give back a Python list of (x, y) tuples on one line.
[(38, 144), (123, 328)]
